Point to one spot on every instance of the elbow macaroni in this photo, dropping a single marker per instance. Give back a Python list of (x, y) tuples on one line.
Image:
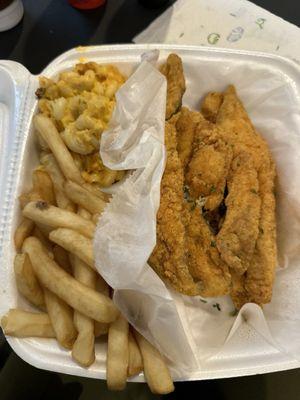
[(80, 103)]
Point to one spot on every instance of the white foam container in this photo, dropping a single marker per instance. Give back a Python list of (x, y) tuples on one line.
[(11, 15), (19, 155)]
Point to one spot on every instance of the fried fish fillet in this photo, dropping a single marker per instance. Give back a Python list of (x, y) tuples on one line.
[(256, 284), (185, 255), (208, 169), (238, 292), (261, 271), (211, 105), (186, 126), (237, 130), (173, 71), (222, 150), (169, 258), (237, 237), (204, 260)]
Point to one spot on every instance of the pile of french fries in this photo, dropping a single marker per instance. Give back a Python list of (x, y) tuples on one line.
[(55, 271)]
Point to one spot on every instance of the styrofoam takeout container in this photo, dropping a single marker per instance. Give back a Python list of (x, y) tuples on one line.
[(19, 155)]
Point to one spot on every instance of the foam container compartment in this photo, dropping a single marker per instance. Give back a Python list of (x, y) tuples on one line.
[(19, 155)]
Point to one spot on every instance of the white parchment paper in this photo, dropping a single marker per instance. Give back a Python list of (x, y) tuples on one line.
[(190, 330)]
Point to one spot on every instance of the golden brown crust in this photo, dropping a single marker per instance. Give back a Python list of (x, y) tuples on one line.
[(208, 169), (237, 237), (210, 157), (238, 292), (169, 256), (185, 255), (260, 234), (211, 105), (204, 261), (186, 126), (237, 130), (173, 71), (261, 272)]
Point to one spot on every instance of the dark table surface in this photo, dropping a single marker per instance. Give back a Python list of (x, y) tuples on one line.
[(50, 27)]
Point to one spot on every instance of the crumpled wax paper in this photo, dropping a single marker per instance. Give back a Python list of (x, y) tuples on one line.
[(191, 330)]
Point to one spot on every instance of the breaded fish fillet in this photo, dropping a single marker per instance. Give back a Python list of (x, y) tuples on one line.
[(168, 258), (185, 255), (238, 292), (237, 130), (186, 126), (209, 166), (261, 271), (237, 237), (204, 260), (173, 71), (211, 105), (259, 233)]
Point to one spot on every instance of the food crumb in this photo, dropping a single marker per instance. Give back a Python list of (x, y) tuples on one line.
[(217, 306), (40, 92)]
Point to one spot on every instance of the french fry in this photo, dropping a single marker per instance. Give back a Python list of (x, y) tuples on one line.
[(44, 239), (84, 213), (64, 202), (61, 317), (95, 218), (108, 177), (97, 191), (43, 213), (83, 273), (83, 350), (42, 143), (75, 243), (22, 323), (135, 362), (26, 281), (58, 180), (100, 327), (155, 369), (22, 232), (84, 198), (27, 197), (50, 164), (80, 297), (42, 184), (117, 354), (45, 229), (102, 286), (49, 133), (61, 257)]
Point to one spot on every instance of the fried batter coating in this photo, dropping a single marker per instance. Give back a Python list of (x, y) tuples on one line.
[(186, 126), (237, 130), (261, 272), (168, 258), (237, 237), (238, 292), (185, 255), (209, 166), (204, 260), (173, 71), (211, 105), (208, 156)]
